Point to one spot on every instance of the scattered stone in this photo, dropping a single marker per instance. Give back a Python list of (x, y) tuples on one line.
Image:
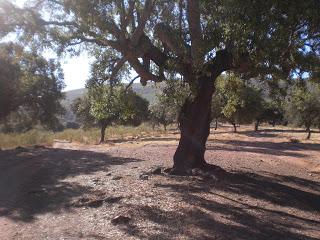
[(21, 149), (120, 220), (39, 147), (294, 140), (113, 199), (96, 180), (116, 178), (95, 203), (144, 177), (37, 191), (157, 171), (109, 174)]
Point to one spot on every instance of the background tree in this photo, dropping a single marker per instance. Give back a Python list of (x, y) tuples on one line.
[(271, 113), (81, 108), (303, 106), (169, 103), (161, 114), (9, 79), (104, 105), (196, 39), (241, 103), (32, 88)]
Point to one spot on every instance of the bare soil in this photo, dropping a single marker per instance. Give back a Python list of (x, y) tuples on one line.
[(271, 190)]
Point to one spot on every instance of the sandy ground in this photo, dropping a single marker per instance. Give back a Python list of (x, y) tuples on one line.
[(271, 190)]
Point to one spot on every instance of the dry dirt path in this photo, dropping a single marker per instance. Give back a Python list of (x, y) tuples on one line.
[(271, 191)]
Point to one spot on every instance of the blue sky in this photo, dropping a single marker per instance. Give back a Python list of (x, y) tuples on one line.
[(76, 69)]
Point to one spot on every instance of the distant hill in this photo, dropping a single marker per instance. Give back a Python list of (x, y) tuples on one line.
[(148, 92)]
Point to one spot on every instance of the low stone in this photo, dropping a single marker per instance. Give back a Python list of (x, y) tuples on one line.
[(113, 199), (116, 178), (95, 203), (144, 177), (120, 220), (157, 171)]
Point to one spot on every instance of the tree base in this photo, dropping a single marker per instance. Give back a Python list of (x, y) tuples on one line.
[(205, 169)]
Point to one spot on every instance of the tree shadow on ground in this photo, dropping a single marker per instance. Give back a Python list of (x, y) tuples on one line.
[(240, 207), (269, 148), (32, 181), (262, 132), (144, 139)]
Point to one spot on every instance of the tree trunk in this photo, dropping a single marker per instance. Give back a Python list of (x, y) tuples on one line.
[(165, 127), (256, 125), (309, 133), (234, 127), (216, 126), (194, 120), (102, 132)]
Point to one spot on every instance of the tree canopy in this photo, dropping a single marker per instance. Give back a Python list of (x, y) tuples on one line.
[(194, 39), (30, 85), (239, 103), (105, 104), (303, 106)]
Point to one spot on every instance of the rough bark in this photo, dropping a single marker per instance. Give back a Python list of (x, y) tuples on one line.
[(234, 127), (309, 133), (194, 121), (256, 125), (102, 132)]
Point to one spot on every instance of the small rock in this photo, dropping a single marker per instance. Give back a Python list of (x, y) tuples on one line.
[(157, 171), (39, 147), (21, 149), (95, 203), (112, 199), (120, 220), (144, 177), (116, 178), (108, 174)]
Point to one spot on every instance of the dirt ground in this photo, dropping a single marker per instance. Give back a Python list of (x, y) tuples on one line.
[(271, 189)]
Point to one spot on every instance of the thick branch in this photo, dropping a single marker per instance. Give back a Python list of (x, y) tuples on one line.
[(225, 61), (172, 40), (117, 68), (143, 72), (195, 31), (131, 82), (142, 22)]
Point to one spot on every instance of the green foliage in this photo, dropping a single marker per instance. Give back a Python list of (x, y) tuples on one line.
[(239, 103), (31, 87), (9, 79), (81, 108), (117, 104), (279, 36), (106, 104), (303, 105), (169, 103), (271, 113)]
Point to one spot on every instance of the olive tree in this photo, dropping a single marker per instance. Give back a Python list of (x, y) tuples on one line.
[(30, 87), (104, 105), (303, 106), (197, 39), (240, 104)]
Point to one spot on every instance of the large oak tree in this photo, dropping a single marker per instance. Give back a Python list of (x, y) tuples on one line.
[(196, 39)]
